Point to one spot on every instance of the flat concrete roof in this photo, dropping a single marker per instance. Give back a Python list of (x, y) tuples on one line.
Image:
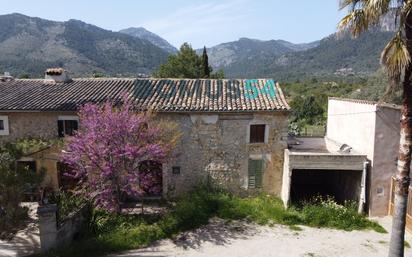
[(318, 146), (322, 153)]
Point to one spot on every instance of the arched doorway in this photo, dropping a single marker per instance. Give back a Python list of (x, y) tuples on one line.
[(151, 180)]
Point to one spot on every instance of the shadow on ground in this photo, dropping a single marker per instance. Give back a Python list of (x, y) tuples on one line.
[(26, 241), (217, 232)]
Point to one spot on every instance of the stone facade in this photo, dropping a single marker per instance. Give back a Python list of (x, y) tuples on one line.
[(32, 125), (214, 148), (37, 125)]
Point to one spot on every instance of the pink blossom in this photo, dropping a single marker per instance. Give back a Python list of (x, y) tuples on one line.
[(107, 151)]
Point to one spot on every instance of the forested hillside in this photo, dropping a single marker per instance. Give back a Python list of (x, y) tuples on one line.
[(30, 45)]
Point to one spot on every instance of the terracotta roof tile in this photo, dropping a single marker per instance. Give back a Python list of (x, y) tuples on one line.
[(163, 95)]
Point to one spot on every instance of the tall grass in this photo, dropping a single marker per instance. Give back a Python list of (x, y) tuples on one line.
[(112, 233), (325, 212)]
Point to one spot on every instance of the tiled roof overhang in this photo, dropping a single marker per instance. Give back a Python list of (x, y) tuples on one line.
[(162, 95)]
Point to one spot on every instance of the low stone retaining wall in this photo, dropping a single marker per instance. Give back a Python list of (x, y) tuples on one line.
[(52, 233)]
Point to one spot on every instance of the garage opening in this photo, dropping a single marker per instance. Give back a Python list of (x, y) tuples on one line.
[(343, 185)]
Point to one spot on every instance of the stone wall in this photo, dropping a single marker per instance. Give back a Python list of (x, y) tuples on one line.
[(31, 125), (54, 234), (37, 125), (215, 149)]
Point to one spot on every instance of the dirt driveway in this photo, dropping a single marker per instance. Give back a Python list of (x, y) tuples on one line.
[(220, 239), (26, 241)]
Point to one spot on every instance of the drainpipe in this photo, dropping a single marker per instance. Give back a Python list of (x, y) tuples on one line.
[(362, 198)]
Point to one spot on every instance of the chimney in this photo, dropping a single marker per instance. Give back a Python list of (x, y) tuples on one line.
[(56, 75), (6, 77)]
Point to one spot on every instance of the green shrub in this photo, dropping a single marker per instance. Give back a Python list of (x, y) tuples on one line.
[(190, 212), (67, 203), (114, 232), (104, 222), (325, 212), (14, 182)]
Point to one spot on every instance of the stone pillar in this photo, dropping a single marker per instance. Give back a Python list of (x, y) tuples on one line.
[(47, 226)]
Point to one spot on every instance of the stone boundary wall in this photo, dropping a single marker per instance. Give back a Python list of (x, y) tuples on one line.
[(53, 233)]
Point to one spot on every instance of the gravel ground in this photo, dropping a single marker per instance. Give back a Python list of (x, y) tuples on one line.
[(238, 239), (26, 241)]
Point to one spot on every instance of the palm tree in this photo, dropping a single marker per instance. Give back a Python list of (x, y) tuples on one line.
[(397, 62)]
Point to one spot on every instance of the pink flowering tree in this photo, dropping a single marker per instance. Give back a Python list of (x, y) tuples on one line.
[(106, 152)]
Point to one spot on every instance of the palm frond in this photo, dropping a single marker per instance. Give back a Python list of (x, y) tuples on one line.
[(376, 8), (395, 57), (356, 22), (350, 3)]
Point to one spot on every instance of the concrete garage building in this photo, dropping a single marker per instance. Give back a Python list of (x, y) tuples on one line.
[(354, 161), (233, 131)]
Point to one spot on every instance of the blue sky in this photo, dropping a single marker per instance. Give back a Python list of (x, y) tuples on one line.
[(197, 22)]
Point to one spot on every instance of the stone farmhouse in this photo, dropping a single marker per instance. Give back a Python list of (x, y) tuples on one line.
[(234, 133)]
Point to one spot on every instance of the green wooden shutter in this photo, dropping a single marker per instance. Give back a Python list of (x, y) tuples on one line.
[(255, 173), (258, 172), (252, 174)]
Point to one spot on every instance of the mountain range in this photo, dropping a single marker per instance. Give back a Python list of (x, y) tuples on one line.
[(339, 55), (143, 33), (30, 45), (249, 50)]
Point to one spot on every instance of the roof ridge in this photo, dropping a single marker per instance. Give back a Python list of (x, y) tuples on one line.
[(162, 94), (150, 78), (361, 101)]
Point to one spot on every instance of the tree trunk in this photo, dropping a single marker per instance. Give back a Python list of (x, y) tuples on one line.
[(402, 180)]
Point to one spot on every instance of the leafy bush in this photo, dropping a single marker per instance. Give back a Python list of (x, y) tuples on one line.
[(116, 232), (67, 203), (14, 181), (103, 222), (261, 209), (325, 212), (190, 212)]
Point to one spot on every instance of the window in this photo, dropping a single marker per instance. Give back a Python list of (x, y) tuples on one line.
[(26, 165), (255, 171), (176, 170), (67, 125), (4, 126), (257, 133)]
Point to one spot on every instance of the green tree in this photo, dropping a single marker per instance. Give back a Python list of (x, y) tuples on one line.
[(187, 64), (308, 109), (220, 74), (397, 62), (205, 63), (24, 76)]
